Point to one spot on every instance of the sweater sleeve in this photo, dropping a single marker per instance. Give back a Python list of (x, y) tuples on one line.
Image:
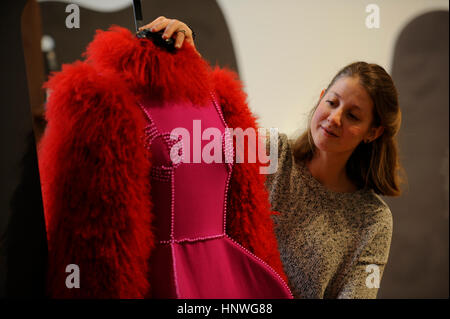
[(362, 281)]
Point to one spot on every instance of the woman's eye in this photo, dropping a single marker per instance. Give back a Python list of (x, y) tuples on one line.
[(330, 102), (352, 116)]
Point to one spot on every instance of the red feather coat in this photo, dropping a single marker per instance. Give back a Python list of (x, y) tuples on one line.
[(95, 169)]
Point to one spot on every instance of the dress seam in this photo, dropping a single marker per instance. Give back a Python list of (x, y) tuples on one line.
[(266, 265)]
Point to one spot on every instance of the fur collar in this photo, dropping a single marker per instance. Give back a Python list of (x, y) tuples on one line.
[(149, 69)]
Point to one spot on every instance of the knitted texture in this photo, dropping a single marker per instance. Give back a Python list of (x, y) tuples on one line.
[(329, 242)]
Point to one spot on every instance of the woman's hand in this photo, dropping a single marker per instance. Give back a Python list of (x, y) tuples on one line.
[(172, 28)]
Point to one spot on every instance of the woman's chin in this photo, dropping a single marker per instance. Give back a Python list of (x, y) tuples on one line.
[(325, 145)]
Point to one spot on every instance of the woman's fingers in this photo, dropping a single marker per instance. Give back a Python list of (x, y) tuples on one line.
[(172, 28), (188, 37), (180, 31), (179, 39), (157, 24)]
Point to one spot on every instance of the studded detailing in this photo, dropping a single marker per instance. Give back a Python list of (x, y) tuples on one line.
[(193, 236)]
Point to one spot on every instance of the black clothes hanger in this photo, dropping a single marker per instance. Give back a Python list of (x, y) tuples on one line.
[(156, 37)]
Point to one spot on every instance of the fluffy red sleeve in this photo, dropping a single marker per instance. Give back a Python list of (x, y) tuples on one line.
[(94, 176), (248, 220)]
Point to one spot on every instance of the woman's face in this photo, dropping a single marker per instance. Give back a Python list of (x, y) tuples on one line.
[(343, 117)]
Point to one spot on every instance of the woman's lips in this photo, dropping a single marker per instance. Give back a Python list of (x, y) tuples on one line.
[(328, 133)]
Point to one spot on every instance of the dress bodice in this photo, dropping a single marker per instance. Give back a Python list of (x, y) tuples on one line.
[(189, 191), (191, 150)]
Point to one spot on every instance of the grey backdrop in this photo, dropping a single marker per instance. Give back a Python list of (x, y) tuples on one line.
[(418, 262)]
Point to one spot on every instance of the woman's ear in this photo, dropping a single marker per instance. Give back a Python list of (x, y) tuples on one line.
[(375, 132), (322, 93)]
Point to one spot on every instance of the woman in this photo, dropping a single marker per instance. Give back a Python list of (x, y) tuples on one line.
[(333, 230)]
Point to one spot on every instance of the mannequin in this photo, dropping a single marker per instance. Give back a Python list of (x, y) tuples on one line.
[(136, 223)]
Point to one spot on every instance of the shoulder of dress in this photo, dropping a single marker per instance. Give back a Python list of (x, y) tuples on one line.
[(225, 77), (84, 79), (232, 99), (229, 90), (227, 86), (78, 73), (80, 85)]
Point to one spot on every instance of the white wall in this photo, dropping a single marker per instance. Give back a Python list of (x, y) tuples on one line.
[(288, 50), (98, 5)]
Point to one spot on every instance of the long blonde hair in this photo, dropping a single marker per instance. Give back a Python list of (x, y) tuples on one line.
[(376, 164)]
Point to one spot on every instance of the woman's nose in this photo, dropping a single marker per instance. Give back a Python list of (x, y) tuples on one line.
[(335, 117)]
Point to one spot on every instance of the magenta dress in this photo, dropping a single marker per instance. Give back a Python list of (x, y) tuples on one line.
[(194, 257)]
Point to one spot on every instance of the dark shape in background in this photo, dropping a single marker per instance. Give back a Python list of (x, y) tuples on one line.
[(23, 245), (204, 16), (31, 41), (418, 262), (25, 236)]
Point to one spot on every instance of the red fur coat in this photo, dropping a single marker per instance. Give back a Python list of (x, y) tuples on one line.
[(95, 169)]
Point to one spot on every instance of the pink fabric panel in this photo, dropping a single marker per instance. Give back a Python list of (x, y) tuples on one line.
[(199, 200), (206, 263), (172, 116), (232, 273)]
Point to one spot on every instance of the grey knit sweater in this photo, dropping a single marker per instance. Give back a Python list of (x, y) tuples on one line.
[(332, 245)]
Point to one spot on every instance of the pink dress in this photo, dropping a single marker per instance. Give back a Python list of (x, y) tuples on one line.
[(194, 257)]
